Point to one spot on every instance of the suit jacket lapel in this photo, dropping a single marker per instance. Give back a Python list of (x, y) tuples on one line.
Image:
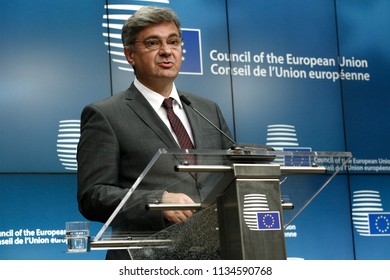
[(197, 125), (137, 102)]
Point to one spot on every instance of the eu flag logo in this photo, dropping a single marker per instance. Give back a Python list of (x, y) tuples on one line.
[(192, 52), (379, 223), (268, 220), (297, 160)]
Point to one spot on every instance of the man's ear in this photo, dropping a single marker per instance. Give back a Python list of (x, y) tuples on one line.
[(129, 55)]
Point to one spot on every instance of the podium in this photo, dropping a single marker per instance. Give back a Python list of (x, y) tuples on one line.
[(244, 200)]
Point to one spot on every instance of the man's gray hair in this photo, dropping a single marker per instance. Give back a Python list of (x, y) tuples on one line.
[(145, 17)]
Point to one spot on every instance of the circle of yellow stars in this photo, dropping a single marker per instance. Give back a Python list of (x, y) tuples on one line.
[(264, 220), (183, 51), (379, 228)]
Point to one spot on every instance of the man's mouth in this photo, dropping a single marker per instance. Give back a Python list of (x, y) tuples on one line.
[(166, 64)]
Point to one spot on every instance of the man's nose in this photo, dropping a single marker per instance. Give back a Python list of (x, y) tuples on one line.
[(165, 49)]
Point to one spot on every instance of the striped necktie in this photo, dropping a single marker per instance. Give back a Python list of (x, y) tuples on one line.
[(177, 126), (179, 129)]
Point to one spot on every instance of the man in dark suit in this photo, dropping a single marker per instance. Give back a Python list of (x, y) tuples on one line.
[(120, 135)]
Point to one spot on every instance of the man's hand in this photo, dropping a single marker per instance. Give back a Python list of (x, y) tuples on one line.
[(176, 216)]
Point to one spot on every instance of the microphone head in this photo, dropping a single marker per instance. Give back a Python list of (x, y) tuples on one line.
[(185, 100)]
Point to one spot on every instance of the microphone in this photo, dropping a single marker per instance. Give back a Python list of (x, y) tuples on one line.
[(188, 103), (240, 152)]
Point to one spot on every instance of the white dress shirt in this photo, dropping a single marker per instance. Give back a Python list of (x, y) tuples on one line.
[(155, 99)]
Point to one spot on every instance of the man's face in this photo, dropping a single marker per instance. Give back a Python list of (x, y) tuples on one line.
[(155, 65)]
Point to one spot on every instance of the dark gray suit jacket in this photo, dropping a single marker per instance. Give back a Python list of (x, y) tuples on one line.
[(119, 137)]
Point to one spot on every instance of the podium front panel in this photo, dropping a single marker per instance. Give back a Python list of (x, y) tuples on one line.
[(242, 198)]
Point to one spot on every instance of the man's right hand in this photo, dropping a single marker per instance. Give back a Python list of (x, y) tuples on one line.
[(177, 216)]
